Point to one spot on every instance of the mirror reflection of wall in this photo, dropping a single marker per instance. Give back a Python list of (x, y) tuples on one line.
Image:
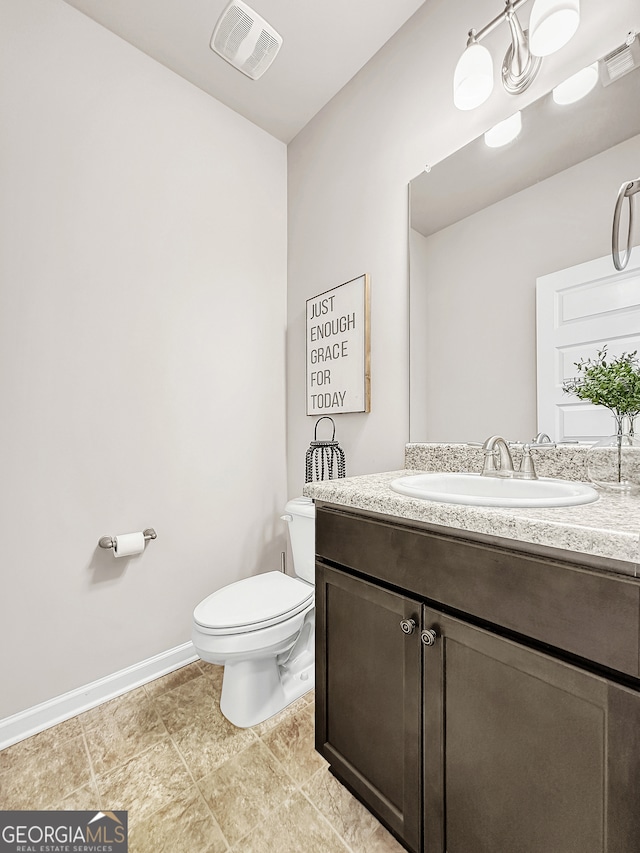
[(485, 223)]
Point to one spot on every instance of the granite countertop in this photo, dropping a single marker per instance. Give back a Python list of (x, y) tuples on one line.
[(609, 527)]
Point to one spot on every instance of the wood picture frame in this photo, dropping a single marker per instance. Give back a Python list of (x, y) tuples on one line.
[(338, 349)]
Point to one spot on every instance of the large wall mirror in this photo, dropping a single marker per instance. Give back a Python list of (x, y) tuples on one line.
[(485, 224)]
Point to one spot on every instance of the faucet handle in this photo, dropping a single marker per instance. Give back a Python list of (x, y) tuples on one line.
[(541, 438), (527, 468)]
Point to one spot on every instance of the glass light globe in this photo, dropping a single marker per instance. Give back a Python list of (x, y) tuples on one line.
[(576, 86), (473, 78), (504, 132), (552, 25)]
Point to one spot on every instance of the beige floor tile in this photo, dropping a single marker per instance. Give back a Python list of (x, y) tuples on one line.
[(346, 815), (146, 783), (195, 699), (45, 774), (381, 842), (353, 823), (272, 722), (292, 743), (172, 680), (245, 789), (13, 756), (210, 740), (185, 825), (82, 799), (120, 729), (295, 827), (121, 706), (247, 777)]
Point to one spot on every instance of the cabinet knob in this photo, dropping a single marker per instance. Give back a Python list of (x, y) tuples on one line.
[(408, 626), (428, 637)]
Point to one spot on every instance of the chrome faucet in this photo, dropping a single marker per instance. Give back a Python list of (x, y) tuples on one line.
[(497, 443)]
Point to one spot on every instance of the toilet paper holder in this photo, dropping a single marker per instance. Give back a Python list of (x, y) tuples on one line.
[(109, 542)]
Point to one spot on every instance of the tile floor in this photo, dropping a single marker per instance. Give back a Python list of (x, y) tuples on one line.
[(192, 782)]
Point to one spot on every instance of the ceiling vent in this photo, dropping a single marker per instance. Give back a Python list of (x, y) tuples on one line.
[(620, 61), (245, 39)]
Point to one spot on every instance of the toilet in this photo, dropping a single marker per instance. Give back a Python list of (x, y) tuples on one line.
[(262, 630)]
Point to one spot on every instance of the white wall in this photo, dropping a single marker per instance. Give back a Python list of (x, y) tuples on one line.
[(142, 345), (348, 209)]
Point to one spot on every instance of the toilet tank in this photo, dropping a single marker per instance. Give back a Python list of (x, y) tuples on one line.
[(301, 518)]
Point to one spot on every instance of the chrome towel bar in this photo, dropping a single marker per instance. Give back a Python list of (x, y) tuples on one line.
[(627, 190)]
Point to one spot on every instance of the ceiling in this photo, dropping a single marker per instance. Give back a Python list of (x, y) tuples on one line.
[(325, 43)]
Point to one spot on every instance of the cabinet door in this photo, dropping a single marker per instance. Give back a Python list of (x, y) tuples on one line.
[(368, 696), (525, 753)]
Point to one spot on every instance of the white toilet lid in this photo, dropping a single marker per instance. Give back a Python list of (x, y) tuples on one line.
[(267, 598)]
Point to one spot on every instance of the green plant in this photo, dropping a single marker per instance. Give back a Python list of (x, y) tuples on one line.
[(610, 382)]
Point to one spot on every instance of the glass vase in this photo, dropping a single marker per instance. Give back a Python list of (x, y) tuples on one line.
[(613, 463)]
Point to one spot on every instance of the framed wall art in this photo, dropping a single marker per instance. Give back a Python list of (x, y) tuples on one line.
[(338, 349)]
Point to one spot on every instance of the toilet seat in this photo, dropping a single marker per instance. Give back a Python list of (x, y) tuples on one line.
[(253, 603)]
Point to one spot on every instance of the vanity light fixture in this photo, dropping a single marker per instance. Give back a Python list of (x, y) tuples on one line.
[(552, 24), (577, 86), (504, 132), (473, 78)]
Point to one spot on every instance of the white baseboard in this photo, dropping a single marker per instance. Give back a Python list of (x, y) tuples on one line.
[(39, 717)]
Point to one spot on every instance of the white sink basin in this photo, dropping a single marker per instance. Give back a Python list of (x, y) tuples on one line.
[(474, 490)]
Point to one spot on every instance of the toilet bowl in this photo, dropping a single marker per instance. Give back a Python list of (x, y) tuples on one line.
[(262, 630)]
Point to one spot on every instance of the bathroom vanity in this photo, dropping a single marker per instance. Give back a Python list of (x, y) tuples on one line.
[(479, 692)]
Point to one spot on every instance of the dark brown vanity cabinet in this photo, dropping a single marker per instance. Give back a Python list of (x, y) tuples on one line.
[(460, 735), (368, 711), (530, 754)]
